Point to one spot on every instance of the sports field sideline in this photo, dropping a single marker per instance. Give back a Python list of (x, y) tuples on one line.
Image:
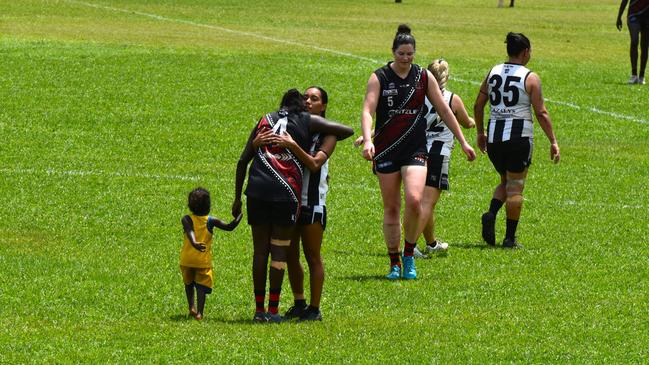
[(112, 111)]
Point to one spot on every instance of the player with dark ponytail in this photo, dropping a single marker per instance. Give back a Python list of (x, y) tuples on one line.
[(512, 91), (396, 97)]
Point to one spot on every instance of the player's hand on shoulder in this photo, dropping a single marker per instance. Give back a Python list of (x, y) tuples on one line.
[(262, 138), (284, 140)]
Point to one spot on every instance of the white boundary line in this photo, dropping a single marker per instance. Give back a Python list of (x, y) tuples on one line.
[(574, 106), (340, 186), (216, 27), (49, 171), (332, 51)]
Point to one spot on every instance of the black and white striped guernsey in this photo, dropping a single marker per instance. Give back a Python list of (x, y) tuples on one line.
[(436, 129), (510, 115), (315, 184)]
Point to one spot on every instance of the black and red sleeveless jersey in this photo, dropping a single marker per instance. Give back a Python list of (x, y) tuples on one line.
[(276, 173), (400, 124), (638, 8)]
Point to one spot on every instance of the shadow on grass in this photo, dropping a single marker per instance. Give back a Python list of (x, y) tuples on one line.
[(363, 278), (477, 246), (181, 318), (188, 318), (236, 321), (210, 319), (484, 246), (359, 253)]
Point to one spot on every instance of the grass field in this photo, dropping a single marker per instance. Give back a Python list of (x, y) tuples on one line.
[(112, 111)]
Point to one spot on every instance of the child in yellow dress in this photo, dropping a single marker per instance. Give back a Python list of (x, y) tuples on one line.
[(196, 253)]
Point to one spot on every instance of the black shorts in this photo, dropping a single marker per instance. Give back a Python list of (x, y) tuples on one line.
[(386, 166), (269, 212), (639, 22), (512, 156), (437, 174), (313, 214)]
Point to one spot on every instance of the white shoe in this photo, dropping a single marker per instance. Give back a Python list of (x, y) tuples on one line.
[(633, 80), (418, 254), (439, 246), (641, 81)]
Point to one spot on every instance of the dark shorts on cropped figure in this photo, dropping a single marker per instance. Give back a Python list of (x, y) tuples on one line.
[(638, 22), (513, 156), (313, 214), (270, 212), (437, 173), (387, 166)]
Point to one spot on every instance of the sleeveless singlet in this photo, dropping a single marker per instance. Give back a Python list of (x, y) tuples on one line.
[(400, 125), (436, 129), (510, 115)]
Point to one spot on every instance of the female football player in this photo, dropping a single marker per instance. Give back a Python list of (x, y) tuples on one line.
[(395, 95)]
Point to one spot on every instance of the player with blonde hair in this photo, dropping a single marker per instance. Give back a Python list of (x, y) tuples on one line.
[(439, 144)]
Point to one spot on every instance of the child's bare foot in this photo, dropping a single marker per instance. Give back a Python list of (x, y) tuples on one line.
[(192, 312), (198, 316)]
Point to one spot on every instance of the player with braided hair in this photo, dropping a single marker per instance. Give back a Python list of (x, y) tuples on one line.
[(273, 193), (439, 143)]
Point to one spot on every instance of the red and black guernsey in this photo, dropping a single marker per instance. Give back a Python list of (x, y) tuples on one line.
[(276, 173), (400, 124), (638, 8)]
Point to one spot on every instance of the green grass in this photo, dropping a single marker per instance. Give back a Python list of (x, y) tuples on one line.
[(109, 118)]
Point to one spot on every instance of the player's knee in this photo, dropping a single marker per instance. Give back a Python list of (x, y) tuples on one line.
[(260, 256), (391, 211), (278, 254), (279, 265), (391, 215), (413, 200), (314, 260), (292, 255), (515, 187), (413, 205), (279, 242)]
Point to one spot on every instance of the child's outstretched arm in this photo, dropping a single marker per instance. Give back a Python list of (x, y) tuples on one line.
[(215, 222), (188, 226)]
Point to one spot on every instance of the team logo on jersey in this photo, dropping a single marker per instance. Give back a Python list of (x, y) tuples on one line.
[(394, 112), (384, 164), (279, 156), (280, 126), (390, 92), (391, 85)]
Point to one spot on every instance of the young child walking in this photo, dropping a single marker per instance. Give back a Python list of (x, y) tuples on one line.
[(196, 253)]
